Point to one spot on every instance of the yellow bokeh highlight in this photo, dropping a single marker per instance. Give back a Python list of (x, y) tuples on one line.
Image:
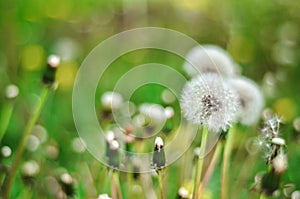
[(241, 49), (33, 57), (192, 5), (58, 9), (65, 75), (285, 108)]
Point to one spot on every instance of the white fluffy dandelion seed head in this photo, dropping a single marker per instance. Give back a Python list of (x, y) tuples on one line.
[(210, 101), (11, 91), (104, 196), (30, 168), (251, 99), (155, 112), (280, 163), (53, 61), (112, 100), (210, 58)]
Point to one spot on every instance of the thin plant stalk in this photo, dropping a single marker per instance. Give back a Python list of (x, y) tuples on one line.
[(200, 161), (161, 183), (210, 168), (14, 167), (5, 118), (226, 162)]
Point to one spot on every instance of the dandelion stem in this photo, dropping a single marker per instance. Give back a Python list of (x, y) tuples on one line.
[(226, 161), (161, 183), (9, 180), (210, 168), (200, 161), (5, 118)]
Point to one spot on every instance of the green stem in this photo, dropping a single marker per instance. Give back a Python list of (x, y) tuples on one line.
[(226, 161), (211, 167), (9, 181), (5, 118), (161, 183), (200, 161)]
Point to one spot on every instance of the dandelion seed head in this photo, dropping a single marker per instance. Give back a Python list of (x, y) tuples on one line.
[(169, 112), (11, 91), (210, 101), (104, 196), (6, 151), (154, 112), (280, 163), (251, 99), (111, 100), (30, 168), (209, 59), (53, 61)]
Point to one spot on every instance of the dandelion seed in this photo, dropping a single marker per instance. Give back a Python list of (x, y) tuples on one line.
[(209, 59), (209, 101), (251, 99)]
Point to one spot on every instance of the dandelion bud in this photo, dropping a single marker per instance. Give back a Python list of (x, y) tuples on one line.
[(280, 163), (209, 101), (112, 154), (67, 184), (270, 182), (11, 91), (49, 75), (209, 59), (159, 159), (251, 99)]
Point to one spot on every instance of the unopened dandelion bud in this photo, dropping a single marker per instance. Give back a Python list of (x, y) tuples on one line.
[(159, 159), (49, 74), (67, 184), (270, 182), (11, 91), (280, 163), (112, 154)]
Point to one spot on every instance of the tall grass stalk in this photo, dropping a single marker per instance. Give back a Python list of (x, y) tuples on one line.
[(15, 164)]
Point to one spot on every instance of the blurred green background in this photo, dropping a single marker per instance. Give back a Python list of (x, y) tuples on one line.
[(262, 36)]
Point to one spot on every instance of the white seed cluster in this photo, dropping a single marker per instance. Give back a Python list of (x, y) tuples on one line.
[(112, 100), (251, 99), (210, 101), (280, 163), (209, 59)]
